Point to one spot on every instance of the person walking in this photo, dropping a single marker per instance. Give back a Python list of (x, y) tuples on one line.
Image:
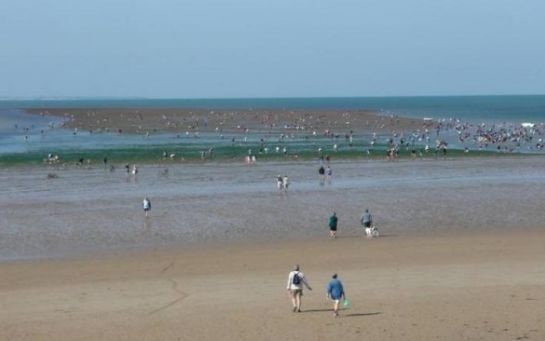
[(333, 225), (321, 171), (366, 219), (285, 183), (280, 182), (335, 292), (146, 204), (296, 281)]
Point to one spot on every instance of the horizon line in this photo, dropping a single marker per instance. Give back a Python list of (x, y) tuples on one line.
[(117, 98)]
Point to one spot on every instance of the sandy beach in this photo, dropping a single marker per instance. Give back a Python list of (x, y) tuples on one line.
[(461, 256), (484, 285)]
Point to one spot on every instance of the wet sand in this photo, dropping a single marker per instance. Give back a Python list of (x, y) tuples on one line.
[(261, 120), (483, 285), (88, 209)]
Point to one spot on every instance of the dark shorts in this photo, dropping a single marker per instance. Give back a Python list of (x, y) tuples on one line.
[(367, 224), (333, 228)]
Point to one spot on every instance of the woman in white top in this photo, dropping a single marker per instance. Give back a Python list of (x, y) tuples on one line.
[(146, 204), (296, 280), (285, 183), (279, 182)]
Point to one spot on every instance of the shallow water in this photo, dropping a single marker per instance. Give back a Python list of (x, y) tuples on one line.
[(30, 138), (87, 210)]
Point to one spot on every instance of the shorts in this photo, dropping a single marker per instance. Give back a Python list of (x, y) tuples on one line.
[(296, 292), (333, 228), (367, 224)]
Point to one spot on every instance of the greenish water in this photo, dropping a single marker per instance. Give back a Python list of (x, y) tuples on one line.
[(30, 138), (189, 153)]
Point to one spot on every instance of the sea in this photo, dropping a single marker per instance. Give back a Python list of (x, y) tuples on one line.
[(488, 108), (40, 137)]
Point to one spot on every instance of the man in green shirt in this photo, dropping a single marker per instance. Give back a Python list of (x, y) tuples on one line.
[(333, 225)]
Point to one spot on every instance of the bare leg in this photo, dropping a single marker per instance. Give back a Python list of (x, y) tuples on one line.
[(336, 307), (293, 300), (298, 301)]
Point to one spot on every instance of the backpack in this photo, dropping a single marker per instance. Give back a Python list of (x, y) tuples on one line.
[(296, 279)]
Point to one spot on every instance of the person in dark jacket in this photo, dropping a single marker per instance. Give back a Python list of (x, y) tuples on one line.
[(333, 225)]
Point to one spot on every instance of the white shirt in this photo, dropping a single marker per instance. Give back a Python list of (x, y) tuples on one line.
[(146, 204), (291, 286)]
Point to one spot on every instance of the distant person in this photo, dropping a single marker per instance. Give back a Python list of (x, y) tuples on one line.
[(321, 171), (333, 225), (105, 161), (146, 204), (280, 182), (329, 173), (134, 170), (296, 280), (367, 223), (366, 219), (285, 183), (335, 292)]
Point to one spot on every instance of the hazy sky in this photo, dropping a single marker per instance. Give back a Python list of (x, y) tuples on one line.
[(273, 48)]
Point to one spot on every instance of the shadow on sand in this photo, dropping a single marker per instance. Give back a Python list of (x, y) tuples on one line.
[(362, 314), (342, 315)]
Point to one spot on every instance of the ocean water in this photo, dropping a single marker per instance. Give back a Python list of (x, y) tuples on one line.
[(475, 108), (24, 133)]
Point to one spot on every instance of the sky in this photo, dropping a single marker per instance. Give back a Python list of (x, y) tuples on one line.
[(270, 48)]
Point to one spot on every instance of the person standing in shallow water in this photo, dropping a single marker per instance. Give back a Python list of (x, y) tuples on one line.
[(321, 171), (366, 219), (280, 182), (285, 183), (333, 225), (146, 204), (296, 280)]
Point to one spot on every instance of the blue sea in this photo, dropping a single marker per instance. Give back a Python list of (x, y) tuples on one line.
[(42, 133)]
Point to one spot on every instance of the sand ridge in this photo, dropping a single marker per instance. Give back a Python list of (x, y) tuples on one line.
[(180, 120)]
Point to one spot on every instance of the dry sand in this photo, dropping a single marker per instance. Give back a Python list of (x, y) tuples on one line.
[(484, 285), (181, 120)]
